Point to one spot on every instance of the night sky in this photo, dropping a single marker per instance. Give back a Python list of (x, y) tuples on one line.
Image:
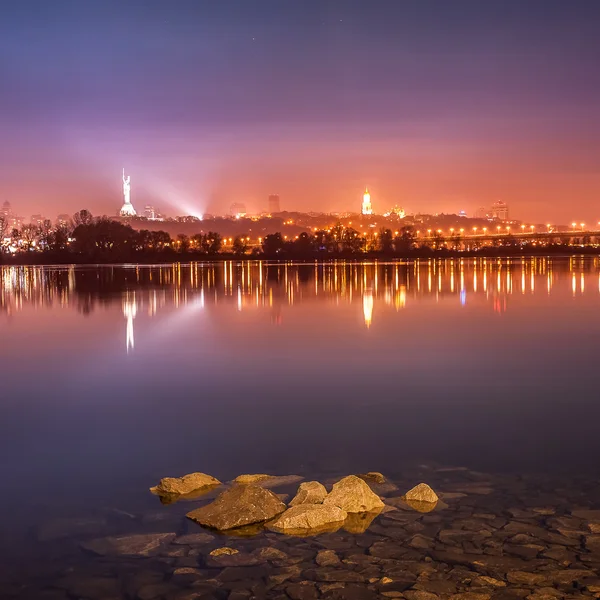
[(435, 105)]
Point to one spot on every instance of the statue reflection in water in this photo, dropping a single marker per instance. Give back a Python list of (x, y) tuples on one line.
[(129, 311)]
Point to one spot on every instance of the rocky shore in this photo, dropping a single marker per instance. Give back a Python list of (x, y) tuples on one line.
[(485, 538)]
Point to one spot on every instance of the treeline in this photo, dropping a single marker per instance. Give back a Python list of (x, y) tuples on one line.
[(89, 239)]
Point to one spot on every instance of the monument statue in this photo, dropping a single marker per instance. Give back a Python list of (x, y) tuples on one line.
[(127, 209)]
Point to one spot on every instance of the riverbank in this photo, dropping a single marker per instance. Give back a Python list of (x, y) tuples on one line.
[(168, 257)]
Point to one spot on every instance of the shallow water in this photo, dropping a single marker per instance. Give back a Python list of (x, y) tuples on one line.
[(113, 377)]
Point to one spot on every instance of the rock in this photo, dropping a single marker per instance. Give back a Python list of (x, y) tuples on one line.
[(592, 543), (193, 539), (328, 575), (525, 578), (128, 545), (304, 590), (309, 518), (71, 527), (353, 495), (224, 550), (327, 558), (185, 485), (423, 507), (421, 493), (484, 580), (470, 596), (420, 595), (239, 506), (372, 477), (267, 481), (309, 492), (229, 557)]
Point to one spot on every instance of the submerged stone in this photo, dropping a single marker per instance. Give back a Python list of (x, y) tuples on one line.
[(239, 506), (128, 545), (353, 495)]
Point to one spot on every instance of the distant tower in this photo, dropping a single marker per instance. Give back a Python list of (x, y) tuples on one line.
[(127, 209), (367, 209), (274, 206)]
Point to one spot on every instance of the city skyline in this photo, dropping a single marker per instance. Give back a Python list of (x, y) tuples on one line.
[(435, 106)]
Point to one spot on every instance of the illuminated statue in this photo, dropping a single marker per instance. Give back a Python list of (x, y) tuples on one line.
[(366, 203), (127, 209)]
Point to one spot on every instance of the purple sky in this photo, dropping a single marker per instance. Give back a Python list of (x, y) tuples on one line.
[(435, 105)]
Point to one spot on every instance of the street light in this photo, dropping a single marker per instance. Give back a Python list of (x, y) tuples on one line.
[(523, 228), (475, 230), (574, 225), (582, 226), (498, 229), (484, 230), (532, 227)]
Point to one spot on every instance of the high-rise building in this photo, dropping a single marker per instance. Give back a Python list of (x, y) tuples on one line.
[(150, 213), (63, 219), (6, 210), (274, 206), (500, 210), (367, 209)]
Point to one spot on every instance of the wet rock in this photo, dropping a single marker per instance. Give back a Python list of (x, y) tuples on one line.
[(420, 542), (352, 592), (421, 493), (387, 549), (372, 477), (194, 539), (284, 573), (328, 574), (309, 492), (128, 545), (305, 518), (327, 558), (568, 576), (420, 595), (484, 580), (239, 506), (471, 596), (71, 527), (526, 551), (229, 557), (271, 554), (230, 574), (267, 481), (305, 590), (225, 550), (353, 495), (156, 590), (526, 578), (422, 507), (185, 485), (592, 543)]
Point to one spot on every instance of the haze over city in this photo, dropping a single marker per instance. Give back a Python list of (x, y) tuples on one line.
[(435, 106)]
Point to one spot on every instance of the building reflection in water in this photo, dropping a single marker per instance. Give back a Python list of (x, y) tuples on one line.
[(275, 288)]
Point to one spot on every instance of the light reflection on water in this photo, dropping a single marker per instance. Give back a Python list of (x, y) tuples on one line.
[(259, 285)]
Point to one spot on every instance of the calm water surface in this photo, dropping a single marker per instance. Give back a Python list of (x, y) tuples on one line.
[(113, 377)]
